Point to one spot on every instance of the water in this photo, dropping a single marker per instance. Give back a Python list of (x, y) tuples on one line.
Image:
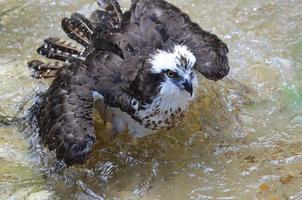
[(241, 140)]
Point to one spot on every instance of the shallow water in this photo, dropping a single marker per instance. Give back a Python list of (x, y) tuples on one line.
[(241, 140)]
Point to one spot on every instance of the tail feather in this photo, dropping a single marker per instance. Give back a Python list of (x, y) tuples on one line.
[(44, 70), (59, 49), (78, 28), (113, 8)]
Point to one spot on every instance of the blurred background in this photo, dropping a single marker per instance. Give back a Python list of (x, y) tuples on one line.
[(241, 140)]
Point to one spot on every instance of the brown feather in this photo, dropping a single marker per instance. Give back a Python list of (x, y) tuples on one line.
[(44, 70), (55, 48), (65, 116), (63, 45), (103, 20), (83, 22), (77, 31), (113, 8)]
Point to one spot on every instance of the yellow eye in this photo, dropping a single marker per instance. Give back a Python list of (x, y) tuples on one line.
[(170, 73)]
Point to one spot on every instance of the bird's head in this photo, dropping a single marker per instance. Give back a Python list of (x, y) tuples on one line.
[(175, 66)]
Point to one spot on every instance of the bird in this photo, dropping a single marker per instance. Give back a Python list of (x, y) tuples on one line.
[(141, 64)]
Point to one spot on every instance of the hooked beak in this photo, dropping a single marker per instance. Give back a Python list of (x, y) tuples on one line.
[(187, 85)]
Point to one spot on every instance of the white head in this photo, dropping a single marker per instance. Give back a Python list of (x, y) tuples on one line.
[(176, 67)]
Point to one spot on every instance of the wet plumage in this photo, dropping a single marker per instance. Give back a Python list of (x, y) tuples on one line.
[(141, 64)]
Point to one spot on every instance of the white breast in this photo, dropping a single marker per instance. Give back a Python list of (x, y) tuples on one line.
[(161, 114)]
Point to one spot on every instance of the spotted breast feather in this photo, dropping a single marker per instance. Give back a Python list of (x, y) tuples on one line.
[(142, 65)]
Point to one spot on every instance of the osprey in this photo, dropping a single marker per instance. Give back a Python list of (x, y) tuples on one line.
[(142, 64)]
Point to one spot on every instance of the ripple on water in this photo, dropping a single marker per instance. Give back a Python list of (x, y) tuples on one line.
[(241, 138)]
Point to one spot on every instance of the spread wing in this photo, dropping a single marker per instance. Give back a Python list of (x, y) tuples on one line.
[(210, 51), (154, 23), (65, 115)]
